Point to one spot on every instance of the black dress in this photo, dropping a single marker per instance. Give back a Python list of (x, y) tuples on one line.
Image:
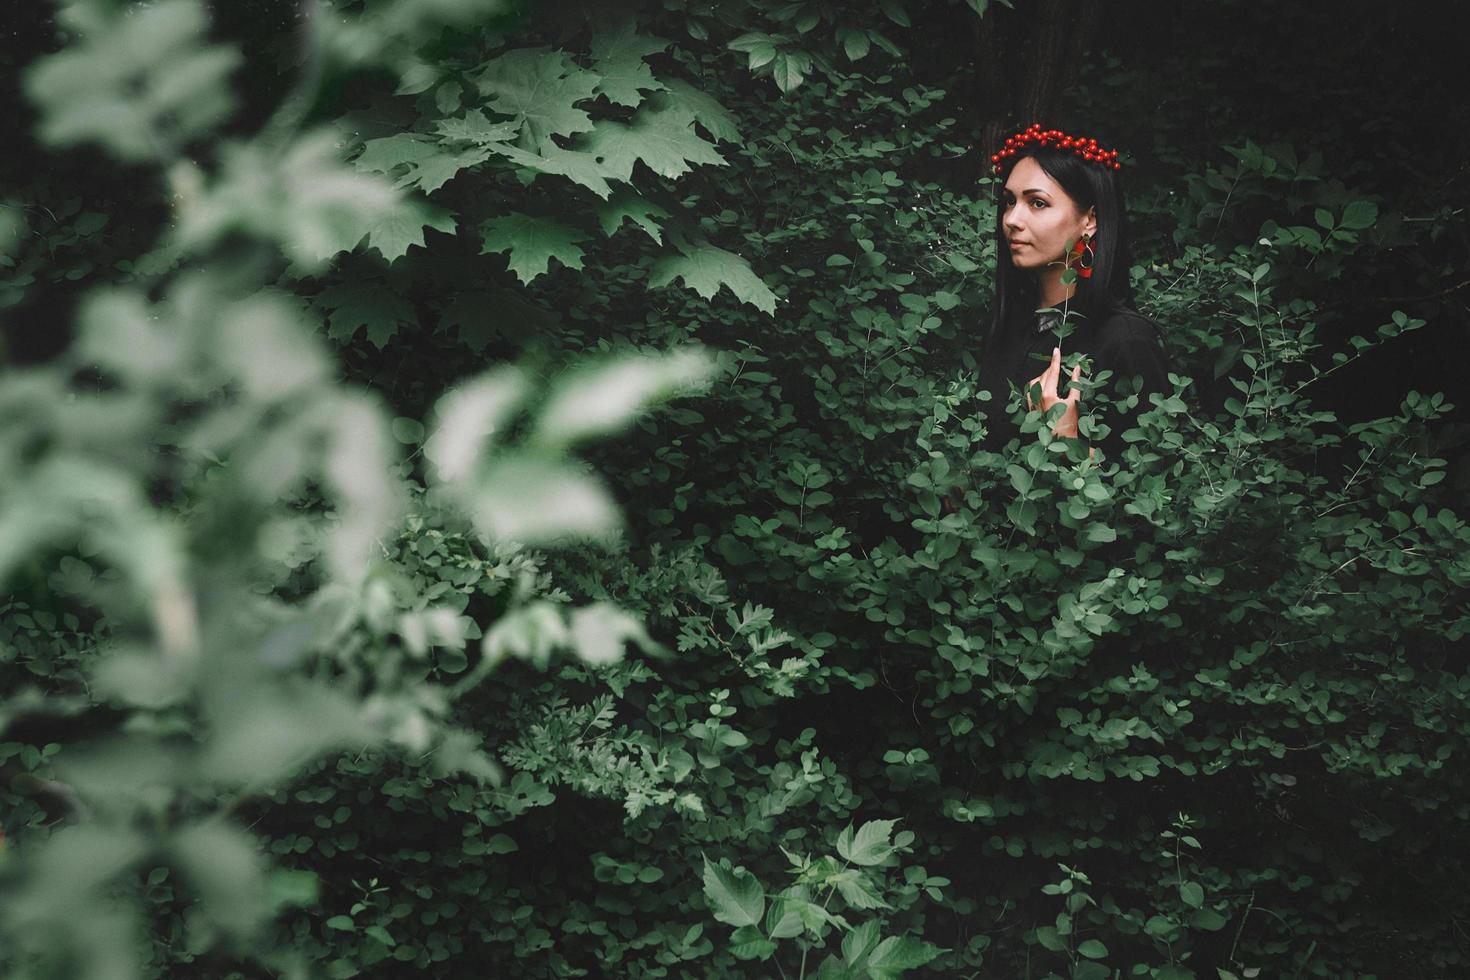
[(1125, 343)]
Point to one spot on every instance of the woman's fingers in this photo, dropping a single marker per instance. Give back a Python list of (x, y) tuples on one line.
[(1053, 372)]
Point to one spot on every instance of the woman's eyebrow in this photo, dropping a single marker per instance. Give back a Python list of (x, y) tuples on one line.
[(1029, 190)]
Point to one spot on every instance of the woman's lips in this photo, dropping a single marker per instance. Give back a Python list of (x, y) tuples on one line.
[(1016, 245)]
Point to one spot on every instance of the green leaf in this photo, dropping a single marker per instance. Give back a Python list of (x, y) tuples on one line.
[(1359, 215), (718, 121), (734, 896), (374, 308), (628, 206), (582, 168), (858, 943), (539, 88), (408, 431), (894, 955), (417, 160), (870, 845), (618, 58), (475, 127), (1092, 949), (140, 83), (342, 923), (599, 399), (661, 135), (535, 500), (532, 243), (1191, 894), (747, 943), (403, 227), (790, 68), (470, 420), (705, 268)]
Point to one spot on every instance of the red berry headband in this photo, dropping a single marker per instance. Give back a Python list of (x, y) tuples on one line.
[(1087, 149)]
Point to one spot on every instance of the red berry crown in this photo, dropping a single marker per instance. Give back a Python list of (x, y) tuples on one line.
[(1083, 147)]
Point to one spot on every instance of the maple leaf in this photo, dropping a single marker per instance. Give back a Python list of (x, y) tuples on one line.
[(705, 268), (477, 317), (628, 206), (718, 121), (618, 57), (418, 160), (540, 88), (476, 127), (532, 243), (661, 135), (355, 306), (404, 226), (583, 168)]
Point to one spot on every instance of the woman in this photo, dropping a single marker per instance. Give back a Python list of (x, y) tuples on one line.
[(1061, 209)]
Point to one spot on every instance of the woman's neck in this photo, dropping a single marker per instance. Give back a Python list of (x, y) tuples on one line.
[(1050, 290)]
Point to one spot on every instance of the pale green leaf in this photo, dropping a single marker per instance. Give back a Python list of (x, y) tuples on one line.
[(532, 243), (582, 168), (403, 228), (469, 419), (1191, 894), (618, 58), (475, 127), (540, 89), (896, 954), (599, 399), (661, 135), (718, 121), (535, 500), (226, 870), (705, 268), (735, 897), (870, 845)]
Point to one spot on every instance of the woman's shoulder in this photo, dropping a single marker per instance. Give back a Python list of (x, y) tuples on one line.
[(1125, 324)]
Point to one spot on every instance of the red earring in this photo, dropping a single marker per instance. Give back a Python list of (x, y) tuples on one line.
[(1084, 248)]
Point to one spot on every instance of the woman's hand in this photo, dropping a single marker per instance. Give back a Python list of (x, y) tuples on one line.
[(1048, 379)]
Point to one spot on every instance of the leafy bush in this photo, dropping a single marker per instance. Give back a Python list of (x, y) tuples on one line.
[(1190, 710)]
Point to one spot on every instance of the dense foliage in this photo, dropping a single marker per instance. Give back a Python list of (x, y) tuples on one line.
[(912, 687)]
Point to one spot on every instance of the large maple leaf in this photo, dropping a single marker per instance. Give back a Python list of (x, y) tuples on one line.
[(718, 121), (540, 88), (404, 227), (627, 206), (416, 160), (618, 57), (705, 268), (354, 306), (532, 243), (661, 135), (584, 168)]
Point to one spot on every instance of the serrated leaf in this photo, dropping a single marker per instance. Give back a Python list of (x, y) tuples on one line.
[(582, 168), (532, 243), (857, 890), (416, 160), (718, 121), (747, 943), (734, 895), (617, 56), (858, 943), (705, 268), (894, 955), (628, 206), (540, 89), (475, 127), (404, 226), (869, 845), (661, 135), (375, 308)]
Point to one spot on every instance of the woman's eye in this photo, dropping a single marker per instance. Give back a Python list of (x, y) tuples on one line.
[(1039, 202)]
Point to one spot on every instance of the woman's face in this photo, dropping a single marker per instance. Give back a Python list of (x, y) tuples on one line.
[(1038, 217)]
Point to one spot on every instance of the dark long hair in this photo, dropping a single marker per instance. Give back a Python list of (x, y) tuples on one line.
[(1089, 186)]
